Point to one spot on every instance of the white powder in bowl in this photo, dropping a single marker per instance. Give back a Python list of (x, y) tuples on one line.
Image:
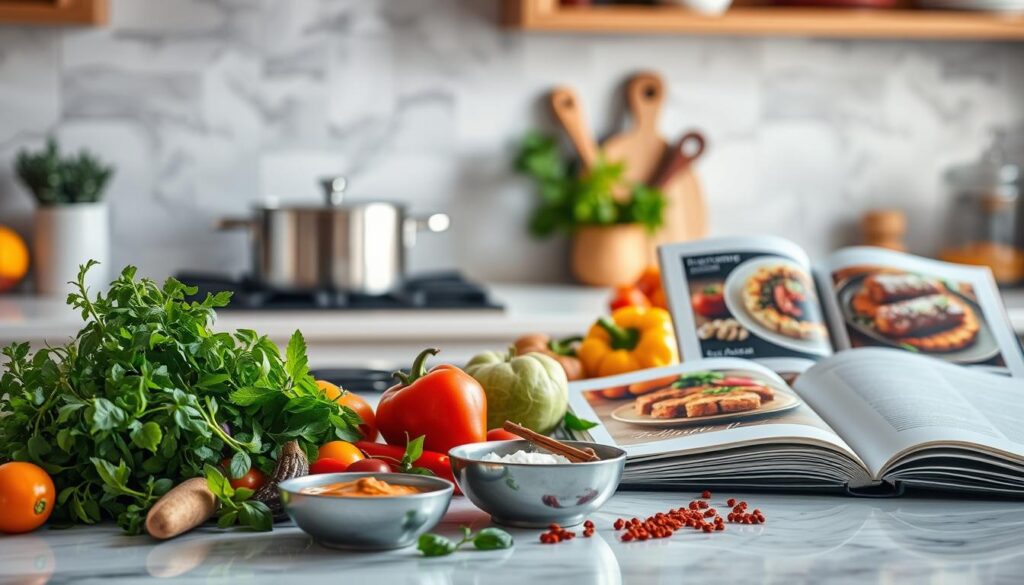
[(526, 457)]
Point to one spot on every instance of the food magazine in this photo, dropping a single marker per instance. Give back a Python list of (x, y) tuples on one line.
[(874, 372)]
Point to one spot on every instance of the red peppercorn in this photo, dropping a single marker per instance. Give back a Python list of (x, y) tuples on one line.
[(707, 528), (588, 524), (731, 502), (627, 537), (618, 524), (719, 527), (706, 495)]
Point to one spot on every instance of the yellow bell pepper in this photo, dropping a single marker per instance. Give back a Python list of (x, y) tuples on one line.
[(635, 338)]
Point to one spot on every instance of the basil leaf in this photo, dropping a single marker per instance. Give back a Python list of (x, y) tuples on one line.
[(256, 515), (147, 436), (240, 464), (492, 539), (575, 423), (217, 483), (435, 545), (413, 452)]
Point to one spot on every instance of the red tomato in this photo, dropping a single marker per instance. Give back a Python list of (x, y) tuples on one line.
[(501, 435), (327, 465), (369, 466), (628, 296), (710, 302), (343, 451), (353, 401), (26, 497), (253, 479)]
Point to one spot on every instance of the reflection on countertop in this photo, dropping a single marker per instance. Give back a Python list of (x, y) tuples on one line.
[(811, 539)]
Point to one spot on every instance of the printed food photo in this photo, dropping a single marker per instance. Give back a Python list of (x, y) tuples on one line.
[(698, 402), (916, 312)]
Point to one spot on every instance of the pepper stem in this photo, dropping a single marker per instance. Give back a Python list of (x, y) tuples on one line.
[(621, 337), (564, 346), (419, 367)]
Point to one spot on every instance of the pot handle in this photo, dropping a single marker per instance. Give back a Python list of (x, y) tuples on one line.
[(436, 223), (234, 223)]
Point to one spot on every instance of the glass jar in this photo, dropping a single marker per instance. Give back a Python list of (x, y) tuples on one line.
[(986, 218)]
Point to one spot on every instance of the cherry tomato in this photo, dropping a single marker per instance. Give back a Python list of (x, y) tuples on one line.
[(628, 296), (327, 465), (26, 497), (370, 466), (356, 403), (253, 479), (649, 281), (501, 435), (343, 451)]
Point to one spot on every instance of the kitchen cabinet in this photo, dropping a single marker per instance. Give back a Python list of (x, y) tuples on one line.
[(747, 19), (54, 12)]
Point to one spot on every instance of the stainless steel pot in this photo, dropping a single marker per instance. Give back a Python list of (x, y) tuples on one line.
[(357, 247)]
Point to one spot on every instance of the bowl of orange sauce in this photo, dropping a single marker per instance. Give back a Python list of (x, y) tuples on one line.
[(366, 511)]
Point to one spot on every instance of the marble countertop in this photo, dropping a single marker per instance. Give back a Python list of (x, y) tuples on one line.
[(807, 539)]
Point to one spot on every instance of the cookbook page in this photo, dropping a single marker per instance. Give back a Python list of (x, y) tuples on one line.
[(953, 312), (745, 297), (887, 402), (697, 406)]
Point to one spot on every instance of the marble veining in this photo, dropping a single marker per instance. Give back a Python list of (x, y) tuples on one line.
[(807, 539), (208, 106)]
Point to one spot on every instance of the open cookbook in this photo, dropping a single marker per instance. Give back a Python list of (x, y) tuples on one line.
[(870, 373)]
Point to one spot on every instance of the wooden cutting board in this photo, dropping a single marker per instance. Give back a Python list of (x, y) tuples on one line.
[(645, 151)]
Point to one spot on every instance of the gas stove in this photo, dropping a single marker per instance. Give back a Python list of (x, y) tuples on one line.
[(442, 290)]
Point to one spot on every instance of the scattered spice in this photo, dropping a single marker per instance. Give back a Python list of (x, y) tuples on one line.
[(698, 515)]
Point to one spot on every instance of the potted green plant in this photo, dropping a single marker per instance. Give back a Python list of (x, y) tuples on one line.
[(72, 222), (610, 222)]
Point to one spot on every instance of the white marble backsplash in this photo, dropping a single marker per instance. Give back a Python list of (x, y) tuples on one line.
[(207, 106)]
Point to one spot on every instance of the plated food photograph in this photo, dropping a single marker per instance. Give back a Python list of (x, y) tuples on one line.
[(697, 402), (758, 305), (922, 313)]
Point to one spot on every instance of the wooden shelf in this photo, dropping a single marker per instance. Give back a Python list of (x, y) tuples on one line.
[(54, 12), (548, 15)]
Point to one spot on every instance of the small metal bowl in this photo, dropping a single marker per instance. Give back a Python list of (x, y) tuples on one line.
[(372, 523), (526, 495)]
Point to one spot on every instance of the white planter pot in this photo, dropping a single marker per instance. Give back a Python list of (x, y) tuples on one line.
[(67, 236)]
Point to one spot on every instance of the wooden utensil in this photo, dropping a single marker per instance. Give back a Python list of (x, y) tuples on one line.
[(685, 210), (554, 445), (641, 148), (569, 112), (679, 158)]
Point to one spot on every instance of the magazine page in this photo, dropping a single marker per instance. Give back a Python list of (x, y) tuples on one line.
[(881, 298), (697, 406), (745, 297), (887, 402)]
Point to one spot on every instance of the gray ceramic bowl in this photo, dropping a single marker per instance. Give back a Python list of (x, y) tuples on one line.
[(376, 523), (520, 494)]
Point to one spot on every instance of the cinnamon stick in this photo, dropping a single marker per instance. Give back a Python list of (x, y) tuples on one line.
[(555, 446)]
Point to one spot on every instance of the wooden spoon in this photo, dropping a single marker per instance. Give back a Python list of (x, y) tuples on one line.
[(641, 148), (569, 112)]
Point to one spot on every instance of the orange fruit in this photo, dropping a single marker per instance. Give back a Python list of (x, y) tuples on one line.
[(341, 451), (356, 403), (13, 258)]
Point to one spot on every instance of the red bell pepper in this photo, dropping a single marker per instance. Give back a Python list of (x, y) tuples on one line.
[(436, 462), (446, 405)]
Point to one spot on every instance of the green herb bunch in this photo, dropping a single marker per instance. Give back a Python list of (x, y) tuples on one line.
[(569, 201), (62, 180), (147, 394)]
